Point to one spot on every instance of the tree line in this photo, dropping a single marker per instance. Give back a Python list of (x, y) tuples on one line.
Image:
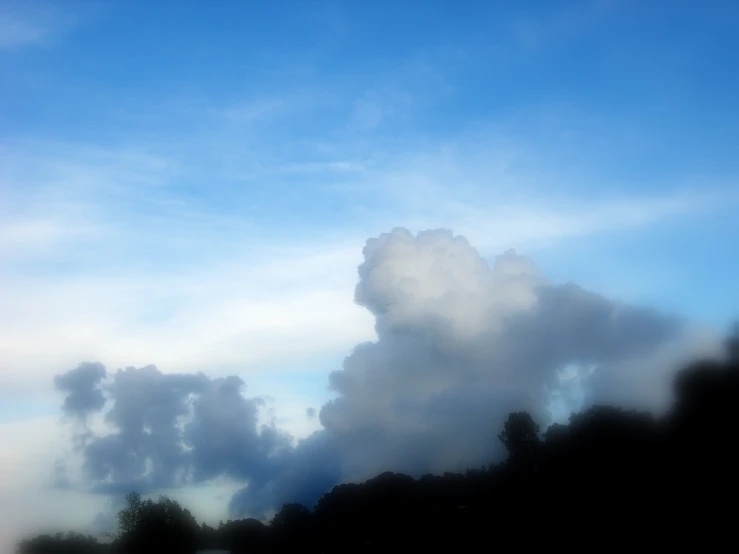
[(611, 478)]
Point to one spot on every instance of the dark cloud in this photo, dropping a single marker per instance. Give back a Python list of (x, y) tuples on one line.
[(305, 473), (145, 450), (225, 436), (173, 429), (82, 387), (460, 344), (311, 413)]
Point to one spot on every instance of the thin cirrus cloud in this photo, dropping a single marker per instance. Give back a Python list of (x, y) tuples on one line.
[(35, 23), (99, 223)]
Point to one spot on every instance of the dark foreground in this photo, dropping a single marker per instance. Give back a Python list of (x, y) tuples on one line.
[(610, 478)]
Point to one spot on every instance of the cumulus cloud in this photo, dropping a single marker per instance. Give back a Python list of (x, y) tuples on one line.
[(169, 430), (82, 387), (460, 344), (226, 438)]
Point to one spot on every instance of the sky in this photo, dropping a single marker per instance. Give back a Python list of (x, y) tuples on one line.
[(347, 222)]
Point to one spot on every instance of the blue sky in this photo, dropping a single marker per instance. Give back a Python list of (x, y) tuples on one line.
[(191, 184)]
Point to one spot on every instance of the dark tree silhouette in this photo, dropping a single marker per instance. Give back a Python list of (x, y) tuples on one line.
[(245, 536), (623, 476), (293, 528), (147, 526), (71, 543)]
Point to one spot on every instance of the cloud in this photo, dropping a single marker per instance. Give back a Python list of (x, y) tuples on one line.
[(226, 438), (460, 344), (452, 328), (565, 25), (32, 23), (164, 431), (225, 314), (81, 385), (303, 475), (107, 260), (27, 462), (145, 448), (378, 106)]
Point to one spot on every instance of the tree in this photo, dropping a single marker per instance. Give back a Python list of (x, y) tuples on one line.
[(245, 536), (147, 526), (732, 344), (130, 517), (291, 516), (520, 436), (293, 526), (72, 543)]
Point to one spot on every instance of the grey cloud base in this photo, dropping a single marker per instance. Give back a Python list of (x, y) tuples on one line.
[(81, 385), (460, 344)]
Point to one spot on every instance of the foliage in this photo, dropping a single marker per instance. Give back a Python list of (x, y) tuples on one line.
[(71, 543)]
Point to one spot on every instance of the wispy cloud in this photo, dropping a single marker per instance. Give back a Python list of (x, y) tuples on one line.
[(375, 107), (34, 23), (265, 109), (536, 32), (33, 445), (107, 259)]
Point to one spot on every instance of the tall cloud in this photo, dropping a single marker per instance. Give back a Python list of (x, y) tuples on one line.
[(460, 344)]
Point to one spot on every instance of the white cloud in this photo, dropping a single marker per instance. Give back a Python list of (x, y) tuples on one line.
[(460, 345), (378, 106), (238, 317), (107, 261), (33, 23), (27, 460)]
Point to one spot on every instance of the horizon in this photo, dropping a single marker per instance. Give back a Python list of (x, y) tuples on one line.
[(335, 229)]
